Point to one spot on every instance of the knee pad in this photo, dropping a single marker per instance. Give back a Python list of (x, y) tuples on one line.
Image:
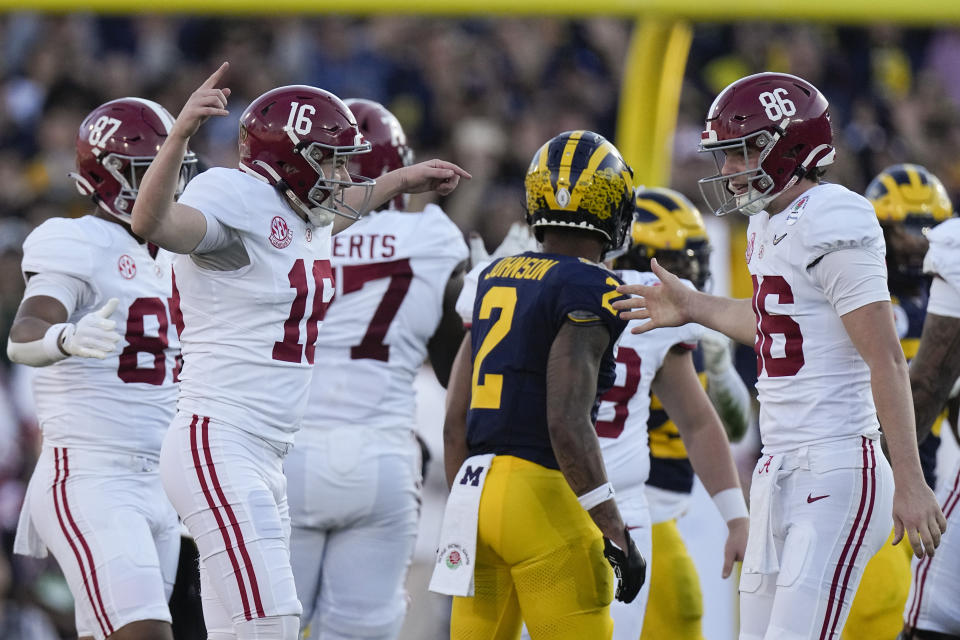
[(269, 628)]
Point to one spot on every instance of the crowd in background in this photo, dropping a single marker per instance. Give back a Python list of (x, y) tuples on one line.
[(482, 93)]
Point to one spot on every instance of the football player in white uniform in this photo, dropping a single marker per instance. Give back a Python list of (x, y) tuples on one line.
[(662, 363), (669, 227), (930, 612), (354, 476), (99, 316), (254, 281), (821, 325)]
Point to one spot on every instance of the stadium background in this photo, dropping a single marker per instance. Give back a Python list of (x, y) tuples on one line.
[(482, 91)]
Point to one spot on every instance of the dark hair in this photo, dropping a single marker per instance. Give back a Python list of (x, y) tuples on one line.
[(814, 174)]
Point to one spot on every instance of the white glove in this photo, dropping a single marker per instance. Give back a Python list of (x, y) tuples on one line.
[(518, 239), (716, 352), (94, 335)]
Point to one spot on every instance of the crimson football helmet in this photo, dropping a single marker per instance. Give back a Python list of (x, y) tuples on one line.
[(116, 143), (388, 144), (781, 125), (298, 138)]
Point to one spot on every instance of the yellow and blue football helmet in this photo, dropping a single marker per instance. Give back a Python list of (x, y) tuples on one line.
[(909, 201), (668, 227), (579, 180)]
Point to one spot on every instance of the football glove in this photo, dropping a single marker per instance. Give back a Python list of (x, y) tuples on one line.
[(629, 567), (716, 352), (94, 335)]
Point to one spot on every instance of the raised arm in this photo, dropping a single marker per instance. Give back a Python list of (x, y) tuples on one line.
[(687, 404), (672, 303), (156, 216), (915, 509), (934, 369), (433, 175)]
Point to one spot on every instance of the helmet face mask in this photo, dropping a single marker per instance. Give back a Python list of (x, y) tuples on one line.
[(578, 180), (717, 190), (779, 125), (129, 172), (116, 143), (330, 164), (299, 139)]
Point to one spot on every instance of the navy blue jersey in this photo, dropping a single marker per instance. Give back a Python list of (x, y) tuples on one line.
[(521, 304)]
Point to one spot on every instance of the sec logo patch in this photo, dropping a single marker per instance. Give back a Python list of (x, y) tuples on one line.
[(280, 234), (127, 267)]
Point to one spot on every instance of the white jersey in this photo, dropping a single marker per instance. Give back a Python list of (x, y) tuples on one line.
[(812, 383), (249, 333), (625, 407), (124, 402), (943, 260), (391, 269), (468, 294)]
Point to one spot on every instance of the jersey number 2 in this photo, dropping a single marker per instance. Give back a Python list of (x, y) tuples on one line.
[(486, 394)]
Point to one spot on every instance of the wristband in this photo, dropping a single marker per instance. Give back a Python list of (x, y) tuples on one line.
[(596, 496), (730, 504), (52, 346), (42, 351)]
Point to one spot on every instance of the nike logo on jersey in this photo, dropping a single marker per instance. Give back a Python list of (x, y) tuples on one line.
[(811, 497), (777, 239)]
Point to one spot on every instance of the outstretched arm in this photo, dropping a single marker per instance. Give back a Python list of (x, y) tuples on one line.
[(433, 175), (687, 404), (156, 216), (672, 303)]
